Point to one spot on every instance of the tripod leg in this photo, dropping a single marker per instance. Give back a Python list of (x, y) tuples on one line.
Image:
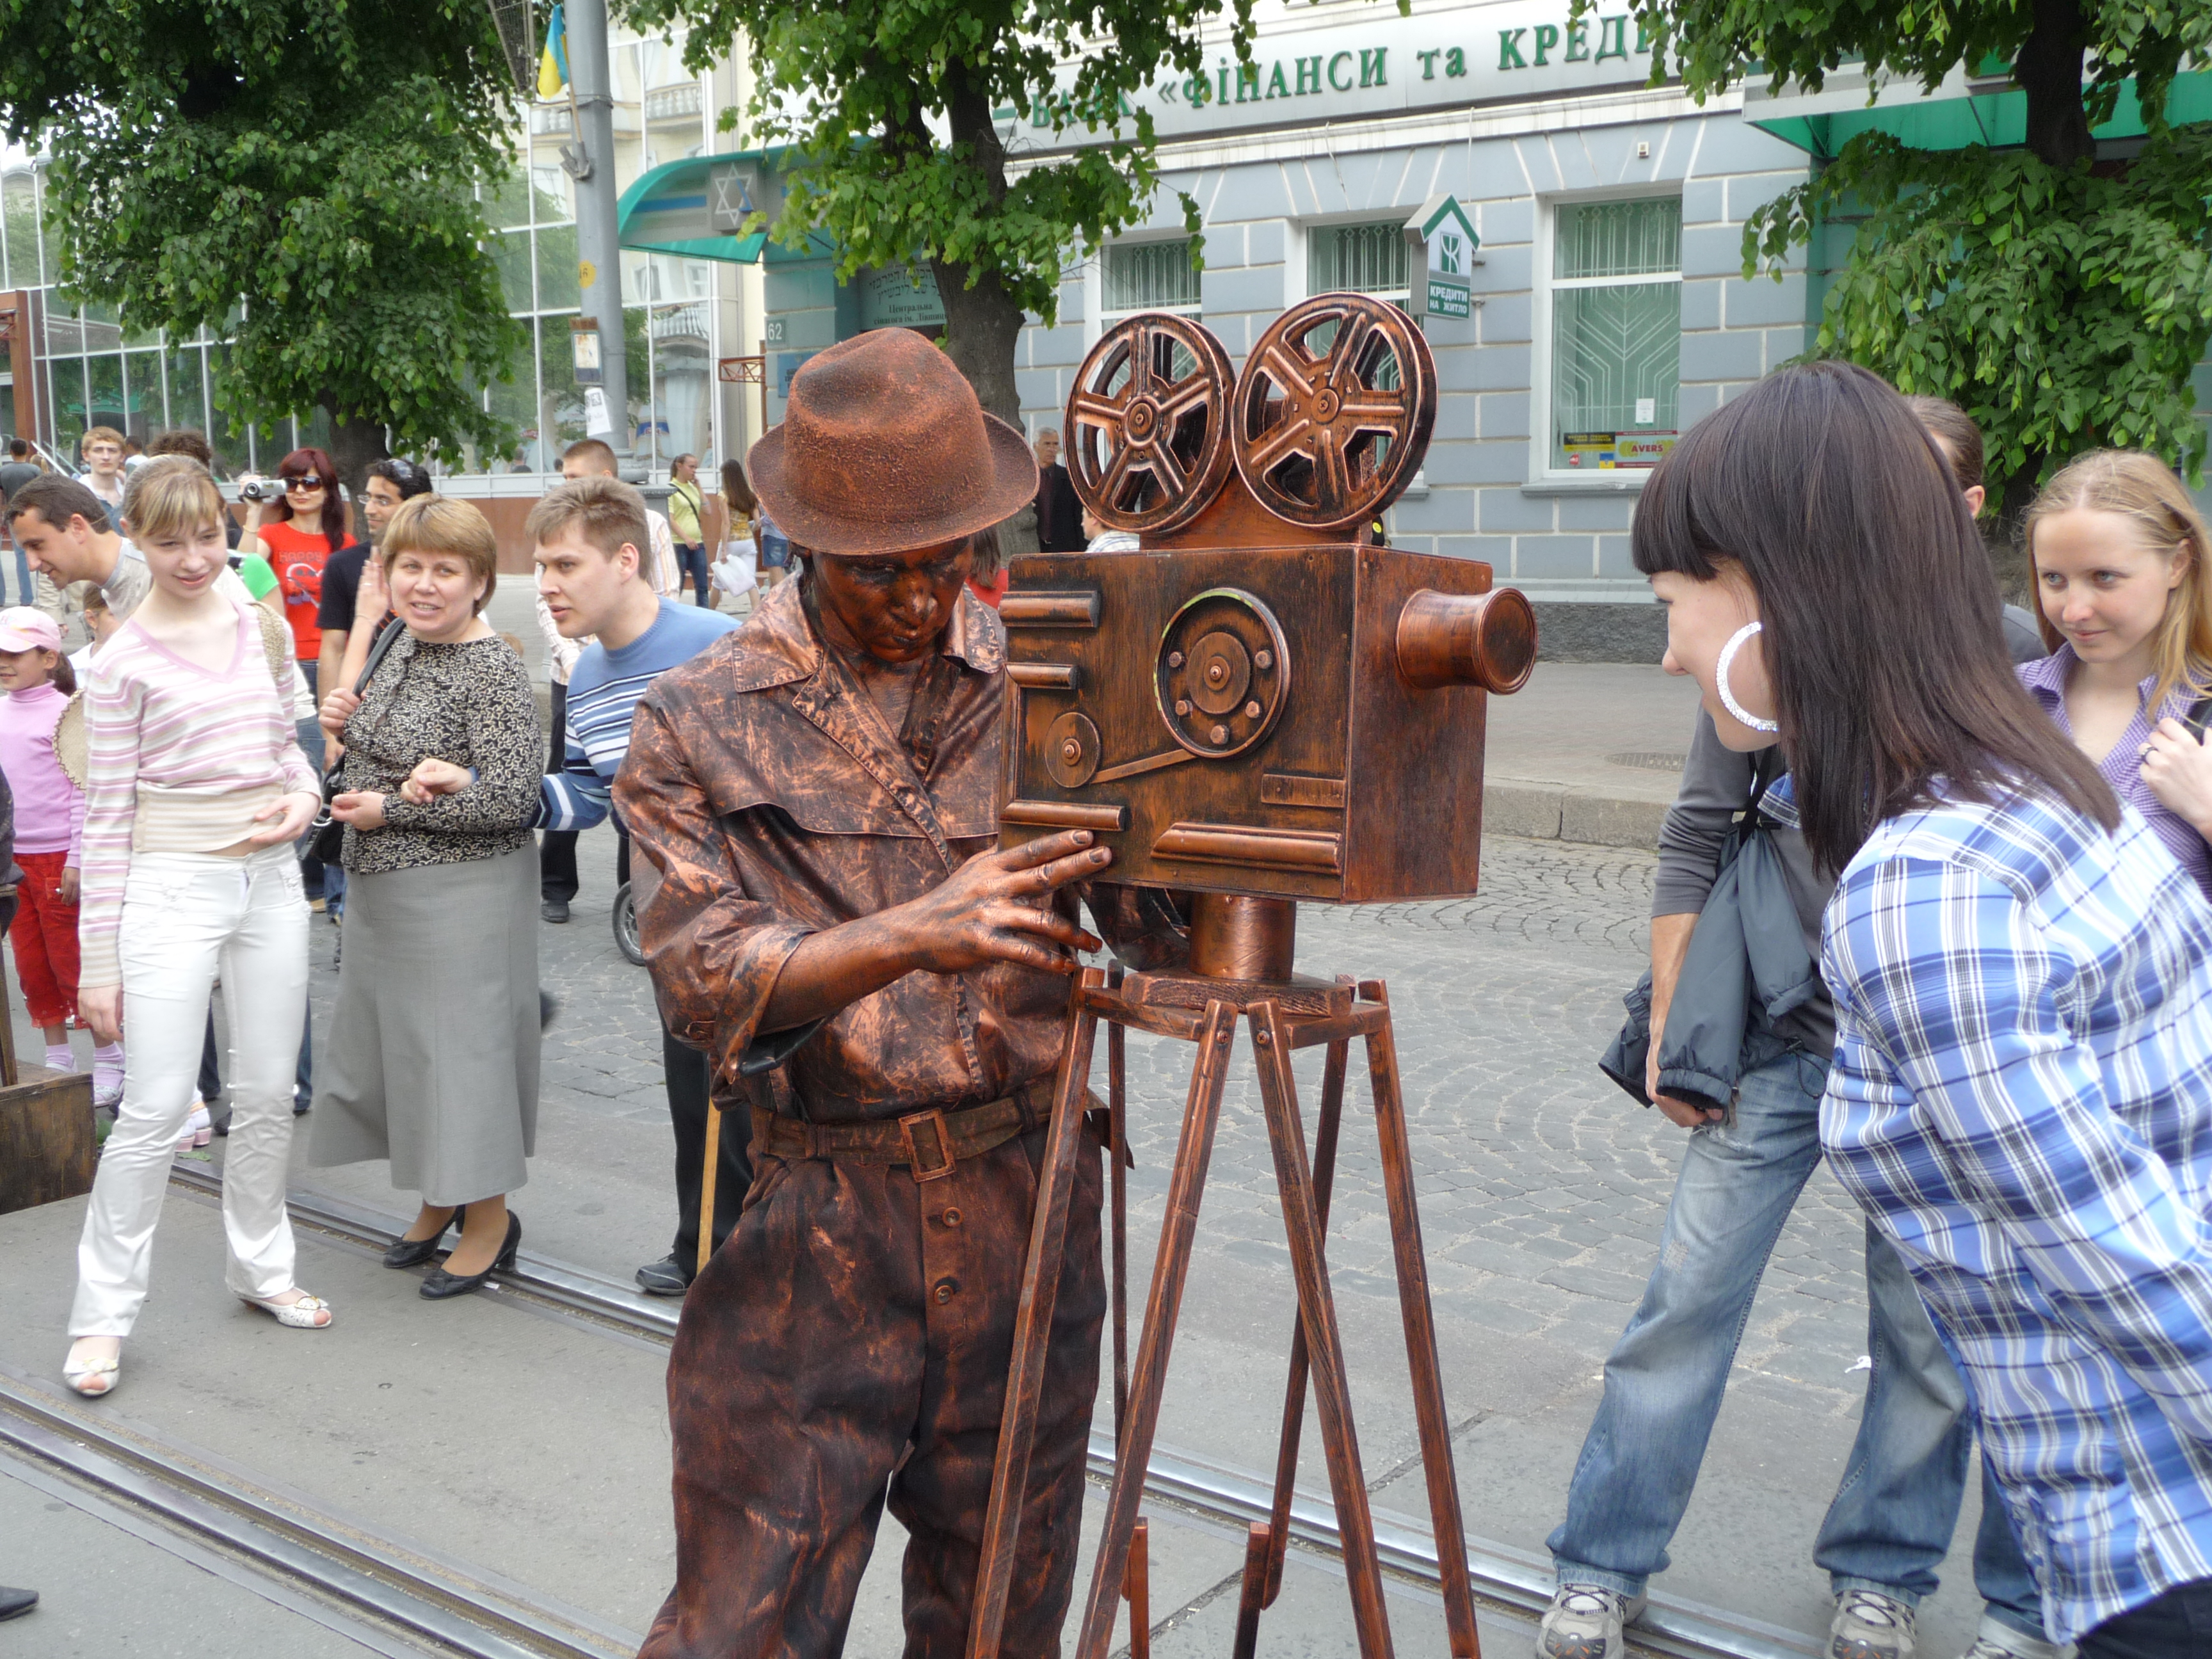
[(1010, 1471), (1294, 1393), (1138, 1590), (1256, 1551), (1318, 1313), (1421, 1335), (1117, 1166), (1170, 1267)]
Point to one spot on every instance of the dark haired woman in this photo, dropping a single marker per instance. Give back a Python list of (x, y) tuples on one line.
[(2021, 1093), (391, 480), (298, 535), (1890, 1524)]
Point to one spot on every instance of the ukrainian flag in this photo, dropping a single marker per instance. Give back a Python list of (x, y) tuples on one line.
[(553, 63)]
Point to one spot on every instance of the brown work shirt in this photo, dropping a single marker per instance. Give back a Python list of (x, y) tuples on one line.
[(767, 789)]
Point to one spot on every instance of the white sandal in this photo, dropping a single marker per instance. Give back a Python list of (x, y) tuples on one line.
[(299, 1315), (82, 1377)]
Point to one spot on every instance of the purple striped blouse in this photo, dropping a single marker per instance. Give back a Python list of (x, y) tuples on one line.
[(2046, 680)]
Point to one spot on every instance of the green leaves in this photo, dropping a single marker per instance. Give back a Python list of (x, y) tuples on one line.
[(317, 165), (2063, 309), (890, 105)]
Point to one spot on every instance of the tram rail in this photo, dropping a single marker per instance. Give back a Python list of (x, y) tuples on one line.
[(1504, 1579)]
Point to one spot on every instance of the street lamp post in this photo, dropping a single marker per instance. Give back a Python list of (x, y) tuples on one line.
[(598, 247)]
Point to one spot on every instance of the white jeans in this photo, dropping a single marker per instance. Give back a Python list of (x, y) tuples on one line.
[(187, 916)]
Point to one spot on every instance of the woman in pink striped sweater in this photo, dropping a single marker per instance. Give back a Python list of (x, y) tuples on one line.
[(197, 790)]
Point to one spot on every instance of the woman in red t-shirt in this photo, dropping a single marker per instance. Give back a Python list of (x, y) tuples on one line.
[(297, 536)]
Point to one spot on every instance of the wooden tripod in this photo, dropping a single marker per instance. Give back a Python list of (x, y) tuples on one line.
[(1285, 1013)]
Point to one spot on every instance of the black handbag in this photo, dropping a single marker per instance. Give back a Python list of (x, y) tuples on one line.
[(1746, 959), (326, 836)]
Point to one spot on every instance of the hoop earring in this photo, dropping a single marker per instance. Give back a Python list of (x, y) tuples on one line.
[(1721, 679)]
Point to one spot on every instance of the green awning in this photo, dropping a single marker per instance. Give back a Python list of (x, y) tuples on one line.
[(1950, 118), (696, 208)]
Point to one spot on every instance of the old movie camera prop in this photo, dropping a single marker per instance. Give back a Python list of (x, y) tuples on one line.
[(1260, 705)]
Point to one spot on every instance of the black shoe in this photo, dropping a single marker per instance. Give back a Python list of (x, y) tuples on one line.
[(301, 1102), (554, 909), (414, 1252), (666, 1277), (13, 1603), (441, 1284)]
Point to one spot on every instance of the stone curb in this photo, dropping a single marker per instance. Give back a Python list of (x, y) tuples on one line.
[(1555, 813)]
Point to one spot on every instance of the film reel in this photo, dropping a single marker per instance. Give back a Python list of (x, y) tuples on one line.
[(1147, 425), (1333, 410), (1223, 672)]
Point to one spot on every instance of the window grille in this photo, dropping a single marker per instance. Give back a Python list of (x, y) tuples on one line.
[(1362, 259), (1616, 298), (1148, 277)]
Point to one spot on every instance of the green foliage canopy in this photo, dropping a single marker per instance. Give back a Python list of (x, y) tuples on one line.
[(315, 165), (890, 106), (2063, 303)]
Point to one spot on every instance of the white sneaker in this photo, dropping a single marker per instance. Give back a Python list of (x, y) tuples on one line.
[(1869, 1625), (1998, 1640), (1584, 1622), (199, 1128)]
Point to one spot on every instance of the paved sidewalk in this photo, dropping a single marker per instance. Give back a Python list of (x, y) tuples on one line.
[(1588, 752)]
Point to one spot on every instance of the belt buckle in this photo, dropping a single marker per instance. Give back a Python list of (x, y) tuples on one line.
[(935, 1118)]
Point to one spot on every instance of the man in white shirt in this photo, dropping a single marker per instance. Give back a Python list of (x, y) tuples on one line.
[(556, 848), (102, 449)]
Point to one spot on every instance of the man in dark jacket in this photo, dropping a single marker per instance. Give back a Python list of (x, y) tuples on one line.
[(1059, 513)]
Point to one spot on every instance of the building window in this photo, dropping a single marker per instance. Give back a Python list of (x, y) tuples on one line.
[(1616, 333), (1362, 259), (1147, 277)]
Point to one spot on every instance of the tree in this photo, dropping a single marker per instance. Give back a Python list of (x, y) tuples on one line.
[(313, 165), (2061, 300), (891, 105)]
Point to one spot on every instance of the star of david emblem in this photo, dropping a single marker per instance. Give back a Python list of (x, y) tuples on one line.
[(733, 199)]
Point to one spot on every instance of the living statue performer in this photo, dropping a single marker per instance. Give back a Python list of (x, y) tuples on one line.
[(817, 794)]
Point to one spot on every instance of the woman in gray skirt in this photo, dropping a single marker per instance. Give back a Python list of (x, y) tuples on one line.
[(433, 1055)]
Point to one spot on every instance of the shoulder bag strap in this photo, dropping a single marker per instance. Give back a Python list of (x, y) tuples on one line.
[(2198, 717), (392, 629)]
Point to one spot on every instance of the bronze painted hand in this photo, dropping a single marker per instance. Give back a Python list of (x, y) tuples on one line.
[(993, 908)]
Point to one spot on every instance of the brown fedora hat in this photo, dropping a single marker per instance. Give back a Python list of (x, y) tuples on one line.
[(883, 447)]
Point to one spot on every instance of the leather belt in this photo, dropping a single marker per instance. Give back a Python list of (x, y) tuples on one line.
[(930, 1143)]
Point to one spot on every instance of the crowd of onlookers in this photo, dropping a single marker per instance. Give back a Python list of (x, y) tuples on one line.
[(1925, 942)]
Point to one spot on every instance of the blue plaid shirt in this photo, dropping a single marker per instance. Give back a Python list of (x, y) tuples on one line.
[(2022, 1099)]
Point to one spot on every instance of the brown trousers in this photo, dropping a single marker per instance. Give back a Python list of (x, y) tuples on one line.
[(847, 1346)]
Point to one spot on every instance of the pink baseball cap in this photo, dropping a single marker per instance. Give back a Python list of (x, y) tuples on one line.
[(23, 629)]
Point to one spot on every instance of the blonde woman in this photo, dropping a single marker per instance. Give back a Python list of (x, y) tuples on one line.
[(2118, 553), (195, 793), (434, 1048)]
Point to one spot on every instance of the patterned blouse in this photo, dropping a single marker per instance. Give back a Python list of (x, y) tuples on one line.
[(469, 703)]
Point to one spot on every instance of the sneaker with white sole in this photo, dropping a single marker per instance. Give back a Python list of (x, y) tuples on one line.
[(1869, 1625), (1584, 1621), (1998, 1640)]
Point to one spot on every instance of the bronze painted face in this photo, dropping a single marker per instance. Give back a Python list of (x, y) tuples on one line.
[(895, 606)]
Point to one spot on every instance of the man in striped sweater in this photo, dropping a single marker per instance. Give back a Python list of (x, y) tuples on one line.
[(592, 544)]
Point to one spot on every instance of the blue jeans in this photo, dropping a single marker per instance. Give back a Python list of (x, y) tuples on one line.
[(1890, 1524), (693, 562)]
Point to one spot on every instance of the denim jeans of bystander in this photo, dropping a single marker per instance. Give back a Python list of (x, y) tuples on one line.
[(1891, 1521)]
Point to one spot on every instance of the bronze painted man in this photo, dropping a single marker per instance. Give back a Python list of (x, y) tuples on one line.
[(819, 793)]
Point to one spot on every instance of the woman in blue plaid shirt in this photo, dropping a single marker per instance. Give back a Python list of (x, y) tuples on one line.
[(2021, 1095)]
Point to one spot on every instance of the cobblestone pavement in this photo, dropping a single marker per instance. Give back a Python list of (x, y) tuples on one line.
[(1542, 1191)]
